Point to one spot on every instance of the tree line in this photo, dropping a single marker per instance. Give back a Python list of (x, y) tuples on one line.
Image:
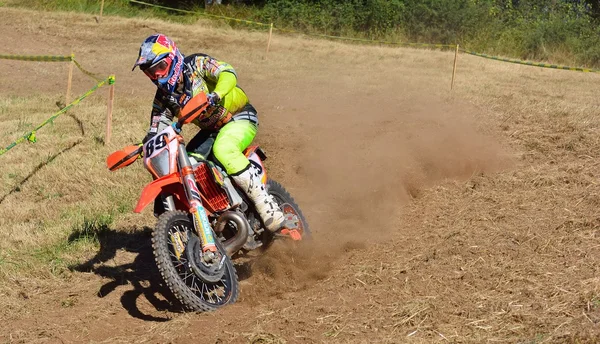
[(560, 31)]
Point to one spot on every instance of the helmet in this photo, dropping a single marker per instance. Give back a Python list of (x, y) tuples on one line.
[(161, 61)]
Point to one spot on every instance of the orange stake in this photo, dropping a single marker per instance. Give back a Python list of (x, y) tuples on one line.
[(101, 9), (454, 69), (269, 42), (69, 80)]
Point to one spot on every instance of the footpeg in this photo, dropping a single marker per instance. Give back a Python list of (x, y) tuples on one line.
[(292, 233), (251, 244)]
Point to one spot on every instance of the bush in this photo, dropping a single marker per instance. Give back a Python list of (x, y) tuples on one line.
[(565, 31), (369, 17)]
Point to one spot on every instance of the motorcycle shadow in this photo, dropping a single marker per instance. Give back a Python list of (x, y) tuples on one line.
[(142, 273)]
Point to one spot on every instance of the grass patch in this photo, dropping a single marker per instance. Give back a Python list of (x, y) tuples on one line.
[(89, 230), (83, 238)]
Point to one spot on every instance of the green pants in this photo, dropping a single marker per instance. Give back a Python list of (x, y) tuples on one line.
[(230, 143)]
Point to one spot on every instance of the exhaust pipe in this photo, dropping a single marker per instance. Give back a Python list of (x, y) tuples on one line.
[(232, 245)]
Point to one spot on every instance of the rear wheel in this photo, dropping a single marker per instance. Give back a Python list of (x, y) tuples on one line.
[(289, 206), (198, 286)]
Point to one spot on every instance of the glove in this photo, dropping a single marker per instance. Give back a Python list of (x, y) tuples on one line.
[(213, 99)]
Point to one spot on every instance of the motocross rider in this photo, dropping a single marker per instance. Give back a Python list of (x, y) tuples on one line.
[(234, 120)]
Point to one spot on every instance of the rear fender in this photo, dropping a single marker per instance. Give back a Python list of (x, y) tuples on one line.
[(256, 156), (169, 184), (255, 149)]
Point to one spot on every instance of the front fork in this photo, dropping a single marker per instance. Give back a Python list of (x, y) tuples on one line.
[(197, 210)]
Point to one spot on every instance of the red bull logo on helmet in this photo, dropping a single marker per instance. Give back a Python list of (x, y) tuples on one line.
[(175, 75), (164, 41)]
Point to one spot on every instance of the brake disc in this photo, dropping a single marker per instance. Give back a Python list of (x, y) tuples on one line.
[(210, 273)]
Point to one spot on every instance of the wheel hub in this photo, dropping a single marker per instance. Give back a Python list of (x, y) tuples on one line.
[(209, 272)]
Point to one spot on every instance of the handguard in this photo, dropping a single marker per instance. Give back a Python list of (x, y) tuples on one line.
[(123, 157)]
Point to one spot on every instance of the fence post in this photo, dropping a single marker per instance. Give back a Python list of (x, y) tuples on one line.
[(454, 69), (101, 9), (70, 78), (111, 98), (269, 41)]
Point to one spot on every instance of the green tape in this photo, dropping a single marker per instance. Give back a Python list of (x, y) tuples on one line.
[(163, 7), (48, 58), (43, 58), (432, 45), (90, 74), (530, 63), (368, 40), (31, 136), (200, 13)]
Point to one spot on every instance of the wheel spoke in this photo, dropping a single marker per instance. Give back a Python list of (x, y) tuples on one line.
[(210, 295), (202, 292), (194, 284), (179, 264), (217, 293)]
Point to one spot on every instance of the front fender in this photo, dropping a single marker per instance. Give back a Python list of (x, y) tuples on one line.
[(152, 190)]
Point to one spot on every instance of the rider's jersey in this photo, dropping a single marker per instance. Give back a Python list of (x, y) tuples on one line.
[(201, 73)]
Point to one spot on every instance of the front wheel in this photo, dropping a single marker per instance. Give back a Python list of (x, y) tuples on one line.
[(176, 248), (288, 206)]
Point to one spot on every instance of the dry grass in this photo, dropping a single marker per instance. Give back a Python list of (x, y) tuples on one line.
[(461, 217)]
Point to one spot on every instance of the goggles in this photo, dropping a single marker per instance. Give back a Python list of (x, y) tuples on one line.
[(156, 70)]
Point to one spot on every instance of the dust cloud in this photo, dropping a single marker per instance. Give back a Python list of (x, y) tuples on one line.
[(353, 163)]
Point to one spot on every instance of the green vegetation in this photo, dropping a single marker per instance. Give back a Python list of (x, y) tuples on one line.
[(84, 237), (559, 31)]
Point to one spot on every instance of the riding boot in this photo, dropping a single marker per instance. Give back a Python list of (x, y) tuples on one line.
[(249, 181)]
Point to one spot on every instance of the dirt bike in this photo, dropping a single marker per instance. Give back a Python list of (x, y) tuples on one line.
[(205, 219)]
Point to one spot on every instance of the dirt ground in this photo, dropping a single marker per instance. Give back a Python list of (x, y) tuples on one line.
[(465, 217)]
